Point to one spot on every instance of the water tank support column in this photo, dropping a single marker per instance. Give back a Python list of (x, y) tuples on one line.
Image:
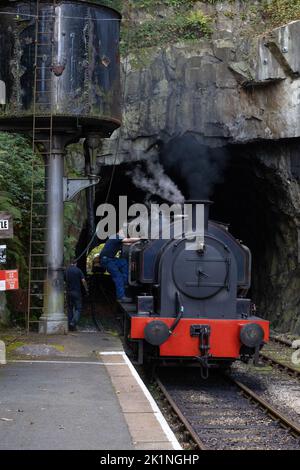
[(54, 320), (91, 143)]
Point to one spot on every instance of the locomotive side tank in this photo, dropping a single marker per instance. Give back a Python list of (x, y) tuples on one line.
[(191, 303)]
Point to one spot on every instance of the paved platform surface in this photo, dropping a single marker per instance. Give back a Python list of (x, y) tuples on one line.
[(78, 391)]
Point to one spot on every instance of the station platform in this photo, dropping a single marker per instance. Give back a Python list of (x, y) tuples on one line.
[(78, 391)]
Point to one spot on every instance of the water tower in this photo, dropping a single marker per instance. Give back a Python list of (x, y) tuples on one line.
[(59, 82)]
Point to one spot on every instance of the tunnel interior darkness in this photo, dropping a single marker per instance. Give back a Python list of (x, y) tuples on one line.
[(252, 199), (242, 201)]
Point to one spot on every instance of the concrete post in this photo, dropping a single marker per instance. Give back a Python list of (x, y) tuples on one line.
[(2, 353), (54, 320)]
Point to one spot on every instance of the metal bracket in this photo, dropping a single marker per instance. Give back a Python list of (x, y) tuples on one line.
[(73, 186), (203, 332)]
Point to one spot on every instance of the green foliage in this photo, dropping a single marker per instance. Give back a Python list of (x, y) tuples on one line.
[(115, 4), (15, 189), (151, 5), (192, 25), (176, 4), (282, 11), (197, 21), (70, 217), (73, 216)]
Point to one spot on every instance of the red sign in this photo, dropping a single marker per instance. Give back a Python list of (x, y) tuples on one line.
[(9, 280)]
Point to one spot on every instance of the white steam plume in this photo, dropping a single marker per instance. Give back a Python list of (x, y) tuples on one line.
[(155, 181)]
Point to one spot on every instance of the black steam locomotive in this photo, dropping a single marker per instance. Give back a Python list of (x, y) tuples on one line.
[(190, 304)]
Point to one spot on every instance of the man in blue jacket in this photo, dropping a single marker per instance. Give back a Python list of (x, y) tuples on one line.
[(117, 267)]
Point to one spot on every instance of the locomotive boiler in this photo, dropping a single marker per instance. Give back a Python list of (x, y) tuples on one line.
[(190, 302)]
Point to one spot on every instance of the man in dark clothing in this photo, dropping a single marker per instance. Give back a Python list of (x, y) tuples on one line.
[(74, 280), (117, 267)]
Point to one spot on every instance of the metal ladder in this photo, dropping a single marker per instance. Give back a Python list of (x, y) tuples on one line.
[(42, 134)]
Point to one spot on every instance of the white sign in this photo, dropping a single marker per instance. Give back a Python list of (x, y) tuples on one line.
[(4, 224), (2, 285)]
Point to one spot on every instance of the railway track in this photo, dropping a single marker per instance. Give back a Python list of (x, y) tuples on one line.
[(180, 423), (275, 414), (277, 339), (223, 413), (280, 365)]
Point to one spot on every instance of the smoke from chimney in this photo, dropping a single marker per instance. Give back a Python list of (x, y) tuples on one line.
[(195, 168), (153, 180)]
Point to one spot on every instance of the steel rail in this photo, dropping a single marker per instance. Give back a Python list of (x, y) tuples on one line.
[(292, 371), (282, 420), (189, 429), (273, 412), (277, 339)]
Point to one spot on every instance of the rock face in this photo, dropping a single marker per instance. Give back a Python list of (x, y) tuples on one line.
[(224, 89), (240, 92)]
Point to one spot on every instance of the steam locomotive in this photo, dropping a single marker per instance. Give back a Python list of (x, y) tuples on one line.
[(191, 304)]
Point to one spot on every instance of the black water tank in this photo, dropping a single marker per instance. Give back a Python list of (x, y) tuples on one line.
[(77, 65)]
